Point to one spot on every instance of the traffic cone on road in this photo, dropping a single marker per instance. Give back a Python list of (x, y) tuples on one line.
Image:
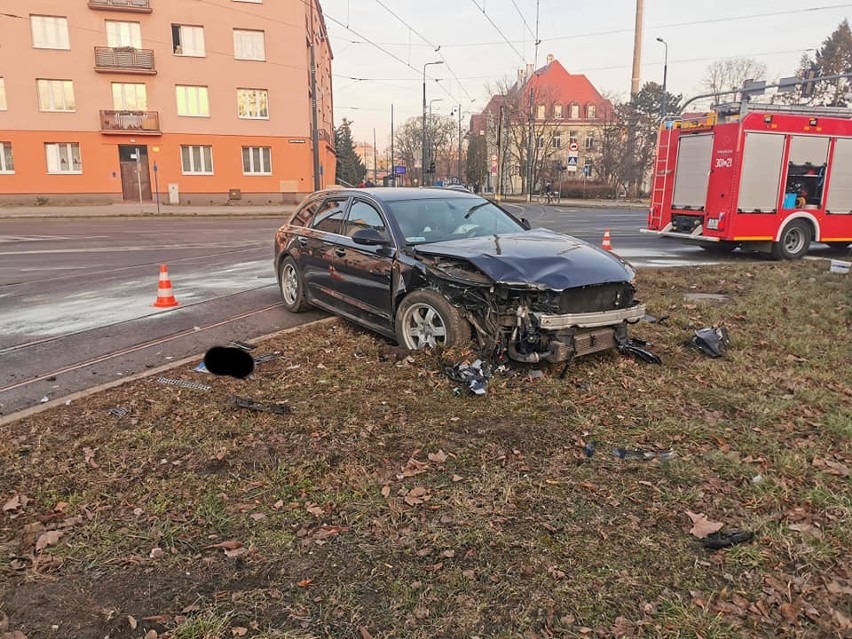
[(606, 244), (165, 296)]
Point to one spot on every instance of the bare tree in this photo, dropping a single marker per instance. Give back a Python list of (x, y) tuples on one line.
[(730, 74)]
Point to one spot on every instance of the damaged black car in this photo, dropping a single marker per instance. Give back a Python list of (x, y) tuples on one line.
[(432, 266)]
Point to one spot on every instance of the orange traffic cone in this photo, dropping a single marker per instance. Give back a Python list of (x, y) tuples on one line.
[(165, 297), (606, 244)]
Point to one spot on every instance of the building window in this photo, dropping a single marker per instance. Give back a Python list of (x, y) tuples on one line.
[(257, 160), (6, 163), (193, 101), (188, 41), (590, 141), (574, 112), (572, 137), (557, 141), (3, 106), (128, 96), (253, 104), (50, 32), (557, 111), (540, 112), (123, 34), (249, 45), (591, 111), (55, 95), (540, 142), (196, 160), (63, 157)]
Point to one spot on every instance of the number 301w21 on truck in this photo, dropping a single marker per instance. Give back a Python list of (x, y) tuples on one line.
[(770, 178)]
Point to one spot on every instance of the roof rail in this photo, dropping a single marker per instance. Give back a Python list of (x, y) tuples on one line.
[(742, 108)]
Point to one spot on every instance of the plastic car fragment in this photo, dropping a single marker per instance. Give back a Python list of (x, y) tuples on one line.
[(643, 455), (475, 376), (264, 407), (224, 360), (636, 348), (726, 538), (711, 341)]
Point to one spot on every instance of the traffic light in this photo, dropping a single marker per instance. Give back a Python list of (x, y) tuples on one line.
[(432, 166)]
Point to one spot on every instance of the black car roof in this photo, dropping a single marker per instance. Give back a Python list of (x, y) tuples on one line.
[(381, 194)]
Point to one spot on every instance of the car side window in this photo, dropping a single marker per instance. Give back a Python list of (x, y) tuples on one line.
[(304, 214), (329, 216), (363, 216)]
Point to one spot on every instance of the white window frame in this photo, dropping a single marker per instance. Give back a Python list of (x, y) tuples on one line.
[(557, 141), (540, 112), (190, 34), (123, 33), (591, 112), (55, 96), (3, 104), (202, 159), (55, 168), (49, 32), (249, 44), (136, 90), (254, 101), (264, 158), (557, 111), (193, 95), (6, 168), (590, 141), (574, 111)]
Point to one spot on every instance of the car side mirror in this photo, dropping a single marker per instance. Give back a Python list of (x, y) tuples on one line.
[(369, 237), (525, 223)]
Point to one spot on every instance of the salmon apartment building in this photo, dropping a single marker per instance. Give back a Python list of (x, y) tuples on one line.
[(204, 101)]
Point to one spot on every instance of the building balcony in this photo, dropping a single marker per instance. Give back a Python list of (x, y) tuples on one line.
[(133, 6), (130, 122), (124, 60)]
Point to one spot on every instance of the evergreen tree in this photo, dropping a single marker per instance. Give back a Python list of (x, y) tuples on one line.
[(834, 57), (350, 168)]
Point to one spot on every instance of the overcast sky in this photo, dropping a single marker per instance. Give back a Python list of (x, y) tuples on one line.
[(592, 37)]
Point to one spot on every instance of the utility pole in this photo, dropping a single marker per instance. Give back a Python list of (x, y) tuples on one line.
[(637, 50), (423, 155), (460, 145), (532, 107), (393, 164), (314, 117), (375, 153), (498, 195)]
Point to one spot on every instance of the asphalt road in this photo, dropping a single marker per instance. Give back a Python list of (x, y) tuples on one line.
[(76, 295)]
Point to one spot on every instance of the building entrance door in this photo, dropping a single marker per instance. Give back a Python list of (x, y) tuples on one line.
[(135, 172)]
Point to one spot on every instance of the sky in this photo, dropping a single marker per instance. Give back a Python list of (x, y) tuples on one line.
[(380, 47)]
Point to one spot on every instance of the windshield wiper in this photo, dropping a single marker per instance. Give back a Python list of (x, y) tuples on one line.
[(470, 212)]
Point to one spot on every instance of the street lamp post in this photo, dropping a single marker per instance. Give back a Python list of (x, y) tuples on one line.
[(665, 73), (429, 135), (423, 156)]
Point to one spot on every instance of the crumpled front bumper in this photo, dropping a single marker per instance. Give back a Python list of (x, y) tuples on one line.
[(590, 320)]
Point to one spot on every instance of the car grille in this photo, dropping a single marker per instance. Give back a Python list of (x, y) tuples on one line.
[(588, 299)]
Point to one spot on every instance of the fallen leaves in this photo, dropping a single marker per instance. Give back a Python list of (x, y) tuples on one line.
[(701, 525), (50, 538), (17, 501)]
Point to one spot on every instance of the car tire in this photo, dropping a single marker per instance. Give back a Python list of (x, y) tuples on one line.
[(291, 286), (426, 318), (719, 247), (794, 241)]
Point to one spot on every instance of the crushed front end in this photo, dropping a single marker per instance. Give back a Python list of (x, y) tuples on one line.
[(530, 323)]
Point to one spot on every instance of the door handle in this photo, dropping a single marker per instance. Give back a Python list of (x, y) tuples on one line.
[(303, 241), (340, 252)]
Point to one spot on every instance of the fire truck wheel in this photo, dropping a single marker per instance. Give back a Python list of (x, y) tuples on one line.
[(719, 247), (794, 241)]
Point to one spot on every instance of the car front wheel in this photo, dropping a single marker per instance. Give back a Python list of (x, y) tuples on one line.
[(292, 289), (427, 319)]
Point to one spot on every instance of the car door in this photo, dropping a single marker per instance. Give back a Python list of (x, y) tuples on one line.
[(316, 246), (364, 272)]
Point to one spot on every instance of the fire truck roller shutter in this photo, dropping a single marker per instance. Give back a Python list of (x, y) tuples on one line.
[(693, 172), (763, 155), (840, 187)]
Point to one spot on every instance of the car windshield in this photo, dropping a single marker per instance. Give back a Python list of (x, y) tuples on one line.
[(427, 220)]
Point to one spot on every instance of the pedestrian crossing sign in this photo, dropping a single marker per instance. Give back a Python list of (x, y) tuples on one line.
[(572, 160)]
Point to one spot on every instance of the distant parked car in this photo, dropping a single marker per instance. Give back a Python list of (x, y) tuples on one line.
[(438, 266)]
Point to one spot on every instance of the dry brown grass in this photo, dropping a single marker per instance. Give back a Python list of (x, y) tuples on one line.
[(386, 506)]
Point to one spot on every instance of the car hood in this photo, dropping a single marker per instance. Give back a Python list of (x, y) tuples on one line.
[(540, 258)]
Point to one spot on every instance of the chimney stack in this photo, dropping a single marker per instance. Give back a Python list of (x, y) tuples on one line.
[(549, 58)]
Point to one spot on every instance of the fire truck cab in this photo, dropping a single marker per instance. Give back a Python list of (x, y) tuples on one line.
[(770, 178)]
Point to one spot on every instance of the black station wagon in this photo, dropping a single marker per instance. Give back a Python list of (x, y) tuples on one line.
[(436, 266)]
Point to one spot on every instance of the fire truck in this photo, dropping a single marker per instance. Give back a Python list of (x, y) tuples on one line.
[(770, 178)]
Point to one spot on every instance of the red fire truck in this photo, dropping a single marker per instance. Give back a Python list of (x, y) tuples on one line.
[(771, 178)]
